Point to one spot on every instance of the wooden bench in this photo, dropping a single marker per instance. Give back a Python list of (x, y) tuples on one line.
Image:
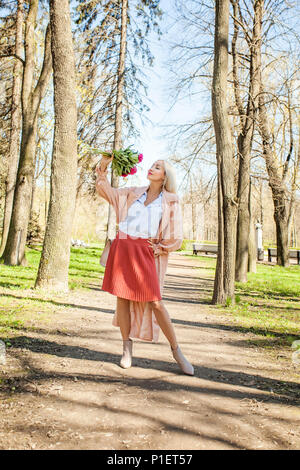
[(272, 253), (199, 247)]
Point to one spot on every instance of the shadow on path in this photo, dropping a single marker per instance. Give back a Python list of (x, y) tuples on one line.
[(286, 391)]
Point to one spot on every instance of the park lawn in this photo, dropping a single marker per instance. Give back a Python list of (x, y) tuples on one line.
[(84, 267), (267, 305), (18, 308)]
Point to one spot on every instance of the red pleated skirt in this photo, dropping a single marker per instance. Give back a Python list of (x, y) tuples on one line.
[(130, 270)]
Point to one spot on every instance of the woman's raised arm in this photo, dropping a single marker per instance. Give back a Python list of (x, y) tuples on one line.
[(103, 186)]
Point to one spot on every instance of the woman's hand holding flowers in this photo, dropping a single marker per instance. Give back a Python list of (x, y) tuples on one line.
[(124, 161)]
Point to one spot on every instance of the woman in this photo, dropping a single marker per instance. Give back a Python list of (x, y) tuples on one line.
[(150, 226)]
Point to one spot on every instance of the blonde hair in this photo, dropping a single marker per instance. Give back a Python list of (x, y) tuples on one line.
[(170, 177)]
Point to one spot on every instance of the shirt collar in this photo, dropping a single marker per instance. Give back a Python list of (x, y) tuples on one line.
[(143, 197), (167, 197)]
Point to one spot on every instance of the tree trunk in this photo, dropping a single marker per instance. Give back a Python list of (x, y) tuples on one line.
[(219, 296), (31, 211), (194, 215), (16, 116), (36, 165), (111, 223), (14, 253), (276, 176), (291, 216), (245, 139), (243, 220), (227, 205), (252, 242), (45, 193), (54, 263), (279, 191)]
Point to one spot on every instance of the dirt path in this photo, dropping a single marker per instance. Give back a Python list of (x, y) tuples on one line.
[(67, 390)]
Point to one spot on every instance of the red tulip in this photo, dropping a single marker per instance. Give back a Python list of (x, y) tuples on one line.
[(133, 170)]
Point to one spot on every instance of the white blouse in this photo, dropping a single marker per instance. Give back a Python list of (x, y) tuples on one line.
[(143, 221)]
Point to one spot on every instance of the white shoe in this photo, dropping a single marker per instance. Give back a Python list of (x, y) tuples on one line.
[(184, 364), (127, 354)]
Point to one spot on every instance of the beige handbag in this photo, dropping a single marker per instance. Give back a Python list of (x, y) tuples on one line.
[(105, 253)]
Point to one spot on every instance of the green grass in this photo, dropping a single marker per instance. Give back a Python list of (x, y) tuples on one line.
[(268, 305), (17, 314), (84, 268), (272, 281), (17, 310)]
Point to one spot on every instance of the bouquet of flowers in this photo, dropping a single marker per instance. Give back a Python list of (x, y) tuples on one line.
[(124, 160)]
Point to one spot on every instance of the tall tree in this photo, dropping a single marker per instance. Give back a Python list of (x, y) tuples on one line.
[(118, 124), (227, 204), (277, 183), (247, 117), (16, 116), (7, 42), (14, 252), (54, 263), (277, 170), (294, 187)]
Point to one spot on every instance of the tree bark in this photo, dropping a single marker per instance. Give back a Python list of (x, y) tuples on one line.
[(296, 172), (245, 139), (277, 185), (276, 177), (252, 242), (16, 116), (14, 253), (54, 263), (227, 204), (219, 292), (117, 144)]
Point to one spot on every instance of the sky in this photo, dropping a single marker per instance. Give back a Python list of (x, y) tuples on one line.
[(151, 142)]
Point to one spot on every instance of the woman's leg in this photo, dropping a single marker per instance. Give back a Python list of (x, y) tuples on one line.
[(163, 319), (123, 317), (124, 322)]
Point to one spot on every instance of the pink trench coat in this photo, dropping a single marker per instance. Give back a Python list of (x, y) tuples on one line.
[(169, 237)]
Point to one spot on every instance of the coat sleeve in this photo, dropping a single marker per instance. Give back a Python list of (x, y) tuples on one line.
[(173, 233), (110, 194)]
